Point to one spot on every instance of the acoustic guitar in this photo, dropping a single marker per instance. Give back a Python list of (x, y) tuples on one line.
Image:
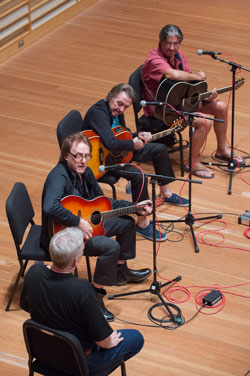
[(95, 211), (103, 156), (183, 96)]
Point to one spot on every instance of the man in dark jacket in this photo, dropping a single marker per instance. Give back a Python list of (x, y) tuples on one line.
[(72, 176), (109, 113)]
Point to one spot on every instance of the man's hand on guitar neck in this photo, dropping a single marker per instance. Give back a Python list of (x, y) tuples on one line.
[(86, 229), (146, 137), (142, 139), (211, 97)]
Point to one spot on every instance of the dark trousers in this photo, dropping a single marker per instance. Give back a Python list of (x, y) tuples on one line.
[(110, 250), (105, 360), (152, 152)]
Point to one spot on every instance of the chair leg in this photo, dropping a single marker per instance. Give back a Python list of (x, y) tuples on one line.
[(181, 153), (31, 372), (123, 369), (114, 191), (24, 266), (21, 271), (88, 269)]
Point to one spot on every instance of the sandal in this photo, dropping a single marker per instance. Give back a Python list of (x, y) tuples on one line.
[(238, 158), (195, 172)]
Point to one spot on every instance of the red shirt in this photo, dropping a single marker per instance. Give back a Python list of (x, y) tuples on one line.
[(153, 71)]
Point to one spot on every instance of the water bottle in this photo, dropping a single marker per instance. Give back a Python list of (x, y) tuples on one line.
[(128, 191)]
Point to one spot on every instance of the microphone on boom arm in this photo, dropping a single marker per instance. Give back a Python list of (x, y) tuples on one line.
[(211, 53), (112, 167), (146, 103)]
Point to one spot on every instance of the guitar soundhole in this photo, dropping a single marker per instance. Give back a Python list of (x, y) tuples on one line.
[(96, 218), (115, 157), (194, 99)]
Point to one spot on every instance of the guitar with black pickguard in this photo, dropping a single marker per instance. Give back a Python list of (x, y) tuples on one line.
[(183, 96)]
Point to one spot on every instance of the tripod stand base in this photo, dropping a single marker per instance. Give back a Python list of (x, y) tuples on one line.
[(189, 220), (155, 289), (227, 165), (177, 316)]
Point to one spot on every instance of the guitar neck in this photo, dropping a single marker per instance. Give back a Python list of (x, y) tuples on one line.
[(219, 91), (174, 128), (161, 134), (119, 212)]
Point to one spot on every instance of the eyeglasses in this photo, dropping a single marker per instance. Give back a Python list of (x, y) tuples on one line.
[(169, 44), (79, 156)]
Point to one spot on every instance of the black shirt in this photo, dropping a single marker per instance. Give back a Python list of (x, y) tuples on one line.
[(62, 301)]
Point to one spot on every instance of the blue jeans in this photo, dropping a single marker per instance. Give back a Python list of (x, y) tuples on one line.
[(107, 359)]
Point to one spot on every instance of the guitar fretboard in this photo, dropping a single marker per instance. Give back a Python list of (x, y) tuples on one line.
[(177, 126), (119, 212), (219, 91)]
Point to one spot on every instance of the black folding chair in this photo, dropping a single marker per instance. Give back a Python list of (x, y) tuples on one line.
[(57, 353), (20, 215), (153, 125)]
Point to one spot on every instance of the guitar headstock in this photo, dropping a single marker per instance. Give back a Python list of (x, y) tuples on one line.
[(178, 125), (239, 82)]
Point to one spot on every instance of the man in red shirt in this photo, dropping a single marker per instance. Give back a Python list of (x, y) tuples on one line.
[(168, 61)]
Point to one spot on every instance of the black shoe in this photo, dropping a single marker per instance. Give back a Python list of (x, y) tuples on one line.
[(124, 275), (106, 313)]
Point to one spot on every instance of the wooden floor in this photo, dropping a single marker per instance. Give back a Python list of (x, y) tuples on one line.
[(73, 67)]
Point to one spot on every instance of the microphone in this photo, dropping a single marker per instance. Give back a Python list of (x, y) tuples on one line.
[(211, 53), (112, 167), (145, 103)]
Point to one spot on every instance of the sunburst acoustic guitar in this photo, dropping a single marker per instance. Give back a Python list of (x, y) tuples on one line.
[(103, 156), (95, 211)]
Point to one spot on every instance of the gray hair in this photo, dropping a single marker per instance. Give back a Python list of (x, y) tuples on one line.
[(116, 90), (65, 246), (170, 30)]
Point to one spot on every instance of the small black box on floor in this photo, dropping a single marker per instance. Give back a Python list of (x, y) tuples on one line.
[(213, 297), (244, 219)]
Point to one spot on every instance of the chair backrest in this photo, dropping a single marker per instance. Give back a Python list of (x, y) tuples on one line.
[(53, 350), (136, 83), (19, 212), (70, 124)]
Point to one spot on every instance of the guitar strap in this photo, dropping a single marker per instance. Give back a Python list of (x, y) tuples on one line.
[(179, 58), (147, 89)]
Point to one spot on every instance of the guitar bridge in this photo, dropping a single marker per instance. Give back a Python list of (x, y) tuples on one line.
[(101, 156)]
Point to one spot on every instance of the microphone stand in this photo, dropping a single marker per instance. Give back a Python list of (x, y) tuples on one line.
[(156, 286), (232, 164), (189, 218)]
